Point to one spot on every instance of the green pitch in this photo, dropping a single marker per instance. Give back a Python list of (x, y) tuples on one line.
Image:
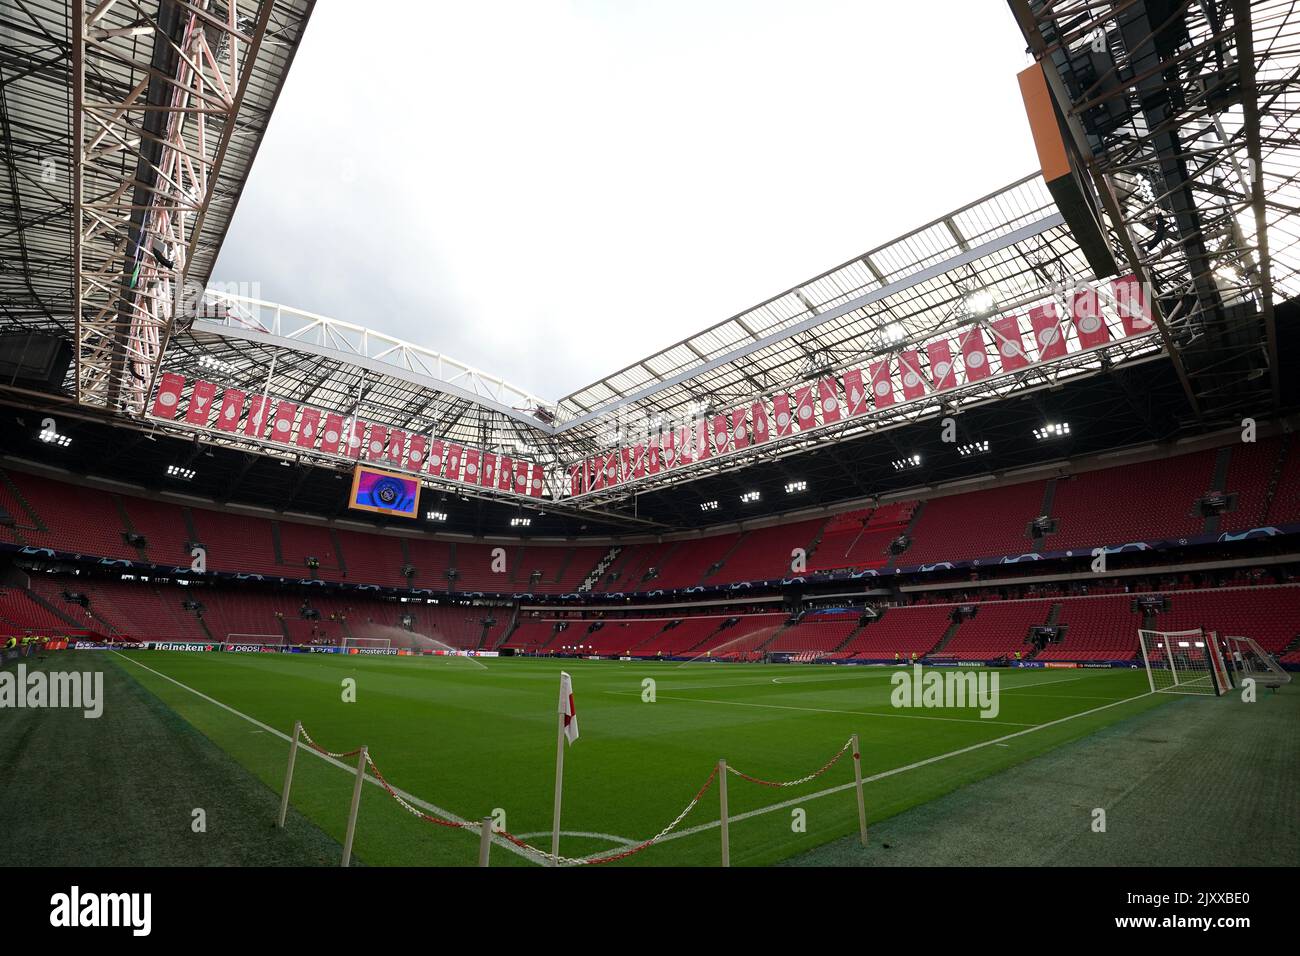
[(473, 740)]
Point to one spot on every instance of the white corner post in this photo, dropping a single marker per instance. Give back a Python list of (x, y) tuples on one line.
[(356, 805), (722, 799), (288, 774), (484, 841), (857, 783), (559, 790)]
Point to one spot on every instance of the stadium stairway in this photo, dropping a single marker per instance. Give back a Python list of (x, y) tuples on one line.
[(944, 641)]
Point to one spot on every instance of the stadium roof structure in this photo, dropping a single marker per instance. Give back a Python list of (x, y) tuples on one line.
[(129, 127), (1169, 109)]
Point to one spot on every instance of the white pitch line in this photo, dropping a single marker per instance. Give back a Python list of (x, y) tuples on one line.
[(445, 814), (612, 838), (894, 772), (824, 710)]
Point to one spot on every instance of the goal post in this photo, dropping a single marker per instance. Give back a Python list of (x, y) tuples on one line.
[(267, 640), (368, 642), (1246, 659), (1183, 662)]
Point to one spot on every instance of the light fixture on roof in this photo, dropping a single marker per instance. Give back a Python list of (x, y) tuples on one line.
[(911, 461), (894, 333), (520, 522), (979, 302), (709, 505), (435, 516), (795, 487), (1052, 430), (750, 497), (185, 474), (51, 437), (973, 448)]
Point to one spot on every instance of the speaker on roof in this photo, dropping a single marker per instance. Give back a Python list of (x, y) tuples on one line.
[(34, 360)]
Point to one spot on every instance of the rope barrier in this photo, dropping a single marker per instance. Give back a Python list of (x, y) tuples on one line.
[(802, 780), (545, 855)]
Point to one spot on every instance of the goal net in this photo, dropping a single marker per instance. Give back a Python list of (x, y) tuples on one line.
[(1183, 662), (368, 642), (1247, 659)]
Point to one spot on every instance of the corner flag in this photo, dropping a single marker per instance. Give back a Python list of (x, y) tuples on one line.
[(567, 709), (566, 729)]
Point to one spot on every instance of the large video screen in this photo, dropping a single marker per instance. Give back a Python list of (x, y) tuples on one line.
[(385, 492)]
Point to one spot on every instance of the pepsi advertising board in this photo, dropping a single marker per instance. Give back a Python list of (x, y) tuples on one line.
[(384, 492)]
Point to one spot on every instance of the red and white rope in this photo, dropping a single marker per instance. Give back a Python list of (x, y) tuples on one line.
[(802, 780), (319, 749), (564, 860)]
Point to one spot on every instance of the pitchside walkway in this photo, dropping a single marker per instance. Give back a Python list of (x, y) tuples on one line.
[(121, 789), (1194, 783)]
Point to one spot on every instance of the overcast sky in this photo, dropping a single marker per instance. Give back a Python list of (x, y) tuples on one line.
[(551, 190)]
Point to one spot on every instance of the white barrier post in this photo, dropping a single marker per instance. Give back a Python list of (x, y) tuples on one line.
[(857, 781), (484, 841), (288, 773), (722, 796), (356, 805)]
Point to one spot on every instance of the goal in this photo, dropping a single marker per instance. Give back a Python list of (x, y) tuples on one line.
[(368, 642), (1247, 659), (1183, 662)]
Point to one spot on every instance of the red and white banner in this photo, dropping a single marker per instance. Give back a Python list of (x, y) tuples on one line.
[(255, 424), (909, 373), (331, 435), (471, 471), (521, 476), (855, 392), (505, 472), (452, 469), (282, 426), (578, 478), (1009, 343), (1133, 305), (308, 428), (376, 439), (721, 434), (973, 354), (882, 386), (739, 433), (232, 406), (758, 415), (626, 462), (804, 414), (828, 396), (200, 403), (416, 452), (782, 414), (437, 456), (638, 461), (397, 446), (1089, 323), (941, 371), (168, 398), (703, 449), (356, 433), (1048, 334), (536, 482), (487, 472)]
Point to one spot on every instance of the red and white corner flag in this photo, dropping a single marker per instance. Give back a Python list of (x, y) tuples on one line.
[(566, 729), (567, 709)]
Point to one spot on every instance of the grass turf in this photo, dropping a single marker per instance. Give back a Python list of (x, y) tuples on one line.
[(474, 739)]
